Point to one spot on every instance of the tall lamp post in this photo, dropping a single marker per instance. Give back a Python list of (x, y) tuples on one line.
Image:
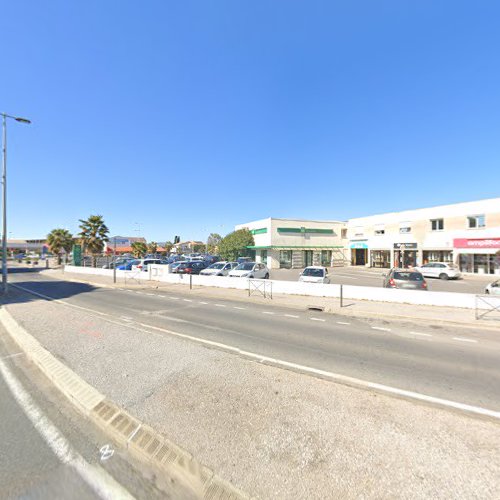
[(4, 194)]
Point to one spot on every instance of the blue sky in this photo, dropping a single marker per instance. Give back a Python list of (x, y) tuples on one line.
[(187, 117)]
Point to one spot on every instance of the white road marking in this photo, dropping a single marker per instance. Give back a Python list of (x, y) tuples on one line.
[(267, 312), (463, 339), (140, 293), (343, 323), (13, 355), (187, 300), (106, 452), (240, 308), (162, 296), (220, 305), (421, 334), (174, 298), (291, 316), (380, 328), (121, 289), (153, 294), (317, 319), (97, 478), (126, 318), (204, 303)]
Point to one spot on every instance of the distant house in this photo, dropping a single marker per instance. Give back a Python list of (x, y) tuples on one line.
[(187, 246)]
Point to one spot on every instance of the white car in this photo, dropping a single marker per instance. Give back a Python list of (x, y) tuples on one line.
[(442, 270), (493, 288), (250, 270), (221, 268), (314, 274), (143, 264)]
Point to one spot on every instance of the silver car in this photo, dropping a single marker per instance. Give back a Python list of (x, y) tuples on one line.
[(219, 269), (408, 279)]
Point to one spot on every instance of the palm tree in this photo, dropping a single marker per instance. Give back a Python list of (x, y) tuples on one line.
[(139, 249), (93, 235), (59, 240), (152, 247)]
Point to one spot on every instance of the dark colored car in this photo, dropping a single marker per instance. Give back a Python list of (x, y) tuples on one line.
[(191, 267), (127, 266), (405, 279)]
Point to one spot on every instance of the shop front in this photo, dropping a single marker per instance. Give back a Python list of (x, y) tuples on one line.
[(478, 255), (437, 256), (405, 255), (359, 252), (380, 258)]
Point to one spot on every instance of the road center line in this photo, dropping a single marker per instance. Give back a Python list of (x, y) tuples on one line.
[(343, 323), (187, 300), (267, 312), (291, 316), (174, 298), (240, 308), (421, 334), (317, 319), (463, 339), (381, 328), (220, 305), (204, 303)]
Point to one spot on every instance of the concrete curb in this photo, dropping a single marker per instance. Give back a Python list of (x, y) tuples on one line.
[(144, 442), (326, 309)]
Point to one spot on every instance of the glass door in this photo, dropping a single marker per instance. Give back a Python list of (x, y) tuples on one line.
[(308, 258)]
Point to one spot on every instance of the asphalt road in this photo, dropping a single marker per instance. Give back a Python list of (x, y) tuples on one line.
[(362, 276), (437, 361)]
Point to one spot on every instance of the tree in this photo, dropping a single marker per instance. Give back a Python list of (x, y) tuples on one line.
[(94, 233), (235, 244), (168, 246), (213, 242), (59, 240), (198, 248), (139, 249), (152, 247)]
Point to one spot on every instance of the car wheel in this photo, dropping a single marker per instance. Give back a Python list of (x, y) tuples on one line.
[(250, 277), (266, 277), (443, 276), (487, 292)]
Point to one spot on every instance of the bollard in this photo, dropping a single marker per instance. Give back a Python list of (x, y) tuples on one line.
[(190, 281), (341, 296)]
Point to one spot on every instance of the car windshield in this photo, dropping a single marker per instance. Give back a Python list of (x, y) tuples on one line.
[(316, 273), (218, 265), (245, 266), (408, 276)]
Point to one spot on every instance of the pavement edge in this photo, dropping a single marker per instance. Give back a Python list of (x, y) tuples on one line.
[(143, 441)]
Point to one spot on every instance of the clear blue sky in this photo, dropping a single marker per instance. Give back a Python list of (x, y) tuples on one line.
[(191, 116)]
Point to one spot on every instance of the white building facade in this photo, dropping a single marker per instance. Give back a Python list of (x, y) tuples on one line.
[(297, 243), (467, 234)]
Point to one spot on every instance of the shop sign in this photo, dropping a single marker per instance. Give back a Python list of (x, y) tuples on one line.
[(476, 243), (358, 244), (405, 246), (77, 255)]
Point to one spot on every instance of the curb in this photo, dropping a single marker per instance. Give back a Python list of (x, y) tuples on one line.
[(140, 439), (327, 309)]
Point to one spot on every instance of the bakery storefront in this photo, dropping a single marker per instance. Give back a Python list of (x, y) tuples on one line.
[(478, 255)]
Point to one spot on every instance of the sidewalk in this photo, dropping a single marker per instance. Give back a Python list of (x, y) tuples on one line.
[(272, 432), (460, 318)]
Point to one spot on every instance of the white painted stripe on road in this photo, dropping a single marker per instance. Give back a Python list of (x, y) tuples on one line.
[(336, 377), (421, 334), (162, 296), (291, 316), (187, 300), (380, 328), (153, 294), (463, 339), (343, 323), (267, 312), (97, 478), (140, 293), (204, 303), (240, 308), (13, 355), (174, 298), (317, 319), (220, 305)]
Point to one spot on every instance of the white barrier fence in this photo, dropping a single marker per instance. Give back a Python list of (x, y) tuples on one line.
[(416, 297)]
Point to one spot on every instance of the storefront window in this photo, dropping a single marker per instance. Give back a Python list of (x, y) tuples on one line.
[(286, 259), (479, 263), (326, 258), (263, 256), (381, 258), (437, 256)]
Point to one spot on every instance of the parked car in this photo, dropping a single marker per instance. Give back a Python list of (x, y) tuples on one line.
[(493, 288), (175, 265), (240, 260), (219, 269), (118, 262), (314, 274), (250, 270), (442, 270), (127, 266), (143, 264), (193, 267), (404, 278)]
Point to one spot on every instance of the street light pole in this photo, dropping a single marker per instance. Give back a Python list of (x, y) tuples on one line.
[(4, 195)]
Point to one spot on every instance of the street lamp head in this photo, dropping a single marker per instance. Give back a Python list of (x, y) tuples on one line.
[(22, 120)]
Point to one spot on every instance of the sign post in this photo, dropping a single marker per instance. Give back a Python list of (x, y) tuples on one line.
[(77, 255)]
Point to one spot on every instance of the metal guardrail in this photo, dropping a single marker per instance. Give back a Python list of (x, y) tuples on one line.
[(492, 303), (260, 287)]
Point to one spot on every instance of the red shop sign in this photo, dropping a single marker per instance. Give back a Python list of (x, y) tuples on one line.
[(477, 243)]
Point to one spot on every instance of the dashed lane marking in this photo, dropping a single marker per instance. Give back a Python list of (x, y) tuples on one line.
[(381, 328), (317, 319), (162, 296), (343, 323), (421, 334), (240, 308), (187, 300), (153, 294), (174, 298), (463, 339), (291, 316), (220, 305), (267, 312), (204, 303)]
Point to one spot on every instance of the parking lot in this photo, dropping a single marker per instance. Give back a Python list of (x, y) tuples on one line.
[(362, 276)]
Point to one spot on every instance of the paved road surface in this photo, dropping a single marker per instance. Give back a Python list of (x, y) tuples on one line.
[(463, 366)]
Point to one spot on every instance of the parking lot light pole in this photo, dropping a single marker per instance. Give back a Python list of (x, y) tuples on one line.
[(4, 194)]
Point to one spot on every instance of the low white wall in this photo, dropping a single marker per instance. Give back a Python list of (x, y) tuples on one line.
[(417, 297)]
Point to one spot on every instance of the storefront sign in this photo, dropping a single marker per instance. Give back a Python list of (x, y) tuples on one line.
[(77, 255), (476, 243), (358, 244), (405, 246)]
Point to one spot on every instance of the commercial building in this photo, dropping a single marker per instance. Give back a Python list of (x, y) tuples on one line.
[(297, 243), (122, 244), (467, 234)]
